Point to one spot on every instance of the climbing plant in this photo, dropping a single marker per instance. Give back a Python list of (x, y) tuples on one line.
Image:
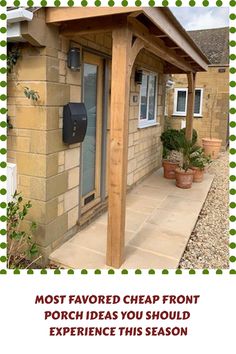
[(12, 56), (31, 94)]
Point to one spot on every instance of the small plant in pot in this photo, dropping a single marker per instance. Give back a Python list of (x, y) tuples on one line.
[(170, 162), (184, 174), (198, 161), (171, 158)]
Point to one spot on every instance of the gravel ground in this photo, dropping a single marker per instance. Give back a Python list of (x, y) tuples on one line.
[(208, 243)]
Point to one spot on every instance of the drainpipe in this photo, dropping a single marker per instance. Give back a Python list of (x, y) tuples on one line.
[(14, 18)]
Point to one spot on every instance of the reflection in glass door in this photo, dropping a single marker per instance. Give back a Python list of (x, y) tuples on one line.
[(89, 144), (91, 147)]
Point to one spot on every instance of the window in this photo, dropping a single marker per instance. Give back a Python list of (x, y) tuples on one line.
[(148, 94), (180, 102)]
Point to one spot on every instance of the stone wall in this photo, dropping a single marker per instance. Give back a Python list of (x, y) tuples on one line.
[(48, 170), (145, 148), (214, 120)]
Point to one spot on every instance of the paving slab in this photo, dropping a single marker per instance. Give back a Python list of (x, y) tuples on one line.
[(159, 221)]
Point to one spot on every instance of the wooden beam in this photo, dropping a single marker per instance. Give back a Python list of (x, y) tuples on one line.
[(159, 17), (117, 171), (157, 47), (95, 25), (136, 47), (55, 14), (171, 69), (190, 105)]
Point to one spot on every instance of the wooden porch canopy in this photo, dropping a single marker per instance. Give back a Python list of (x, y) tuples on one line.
[(157, 31)]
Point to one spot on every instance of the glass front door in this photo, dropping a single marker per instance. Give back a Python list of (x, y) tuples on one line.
[(91, 147)]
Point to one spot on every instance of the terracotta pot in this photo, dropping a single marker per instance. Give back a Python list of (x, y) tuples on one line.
[(169, 169), (184, 179), (198, 174), (212, 147)]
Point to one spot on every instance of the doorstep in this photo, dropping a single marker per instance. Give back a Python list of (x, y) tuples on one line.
[(159, 221)]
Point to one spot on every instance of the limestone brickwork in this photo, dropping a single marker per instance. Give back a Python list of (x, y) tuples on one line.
[(48, 170), (215, 108), (145, 148)]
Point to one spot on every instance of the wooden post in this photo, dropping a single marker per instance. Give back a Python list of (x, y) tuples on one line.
[(190, 105), (117, 174)]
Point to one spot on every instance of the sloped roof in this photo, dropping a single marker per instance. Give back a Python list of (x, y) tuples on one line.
[(213, 43)]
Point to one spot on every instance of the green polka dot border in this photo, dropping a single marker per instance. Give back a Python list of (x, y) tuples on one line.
[(232, 138)]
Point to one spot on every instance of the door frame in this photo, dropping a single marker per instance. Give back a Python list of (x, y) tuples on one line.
[(93, 59)]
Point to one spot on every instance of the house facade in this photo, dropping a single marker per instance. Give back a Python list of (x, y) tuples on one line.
[(69, 184), (211, 92)]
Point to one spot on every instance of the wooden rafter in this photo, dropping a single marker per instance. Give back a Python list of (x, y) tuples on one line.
[(159, 16), (157, 47), (87, 26)]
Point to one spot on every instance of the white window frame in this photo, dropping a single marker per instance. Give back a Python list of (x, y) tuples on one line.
[(183, 114), (143, 123)]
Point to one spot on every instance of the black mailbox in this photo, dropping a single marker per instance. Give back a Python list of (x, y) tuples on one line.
[(74, 123)]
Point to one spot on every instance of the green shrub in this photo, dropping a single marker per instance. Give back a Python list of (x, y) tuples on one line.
[(198, 158), (194, 137), (22, 251), (173, 139)]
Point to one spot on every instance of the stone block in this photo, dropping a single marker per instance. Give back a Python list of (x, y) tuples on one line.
[(73, 77), (131, 139), (56, 185), (46, 234), (131, 166), (133, 125), (61, 158), (48, 51), (72, 158), (60, 209), (52, 165), (71, 199), (38, 141), (75, 93), (32, 64), (11, 110), (18, 143), (62, 79), (52, 71), (62, 67), (35, 187), (57, 94), (31, 164), (54, 141), (37, 117), (130, 179), (130, 152), (42, 212), (73, 216), (73, 177), (64, 44)]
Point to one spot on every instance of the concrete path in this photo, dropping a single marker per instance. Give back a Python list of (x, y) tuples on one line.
[(159, 220)]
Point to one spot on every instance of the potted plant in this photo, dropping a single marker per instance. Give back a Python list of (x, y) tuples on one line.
[(171, 156), (198, 162), (184, 174), (211, 145), (170, 163)]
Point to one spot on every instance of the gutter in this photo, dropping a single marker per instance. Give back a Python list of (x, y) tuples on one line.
[(14, 19)]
